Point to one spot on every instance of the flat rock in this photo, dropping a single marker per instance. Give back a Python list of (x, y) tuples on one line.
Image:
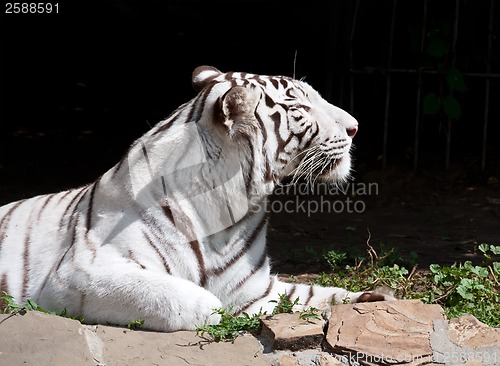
[(465, 341), (41, 339), (468, 331), (289, 332), (383, 332)]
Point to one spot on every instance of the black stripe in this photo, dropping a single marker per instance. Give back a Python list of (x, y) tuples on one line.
[(254, 300), (309, 296), (26, 260), (262, 127), (168, 213), (200, 103), (269, 101), (195, 247), (4, 223), (71, 244), (88, 218), (145, 153), (118, 166), (157, 250), (134, 259), (165, 125), (70, 204), (254, 270), (251, 162), (248, 244), (276, 117), (275, 83), (260, 81), (292, 291), (90, 207), (48, 198), (64, 195), (309, 142)]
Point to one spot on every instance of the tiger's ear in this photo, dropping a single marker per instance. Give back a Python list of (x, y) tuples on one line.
[(238, 104), (203, 75)]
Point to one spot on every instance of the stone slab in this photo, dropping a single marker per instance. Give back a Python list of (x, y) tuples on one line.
[(41, 339), (389, 332), (465, 341), (289, 332)]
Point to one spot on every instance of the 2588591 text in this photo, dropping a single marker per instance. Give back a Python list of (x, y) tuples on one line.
[(31, 8)]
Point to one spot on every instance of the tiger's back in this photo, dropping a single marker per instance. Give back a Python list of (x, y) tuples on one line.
[(178, 227)]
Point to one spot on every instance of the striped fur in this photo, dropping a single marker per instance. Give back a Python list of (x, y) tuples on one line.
[(178, 227)]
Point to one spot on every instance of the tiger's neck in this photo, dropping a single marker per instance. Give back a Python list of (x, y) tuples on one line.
[(190, 169)]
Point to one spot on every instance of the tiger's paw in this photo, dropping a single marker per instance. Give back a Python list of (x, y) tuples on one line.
[(380, 294), (206, 311)]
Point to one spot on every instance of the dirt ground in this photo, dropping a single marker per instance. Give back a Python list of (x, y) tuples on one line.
[(438, 216)]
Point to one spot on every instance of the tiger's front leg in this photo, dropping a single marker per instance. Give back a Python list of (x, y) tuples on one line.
[(318, 297), (121, 292)]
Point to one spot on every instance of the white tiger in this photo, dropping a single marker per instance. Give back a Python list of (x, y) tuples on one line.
[(178, 227)]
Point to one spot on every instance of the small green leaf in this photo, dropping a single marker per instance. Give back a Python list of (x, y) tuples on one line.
[(455, 79), (480, 271), (452, 107), (432, 104), (135, 324), (496, 267), (435, 268), (464, 288), (495, 249), (483, 247)]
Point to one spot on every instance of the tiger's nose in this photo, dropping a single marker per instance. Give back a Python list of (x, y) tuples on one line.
[(352, 131)]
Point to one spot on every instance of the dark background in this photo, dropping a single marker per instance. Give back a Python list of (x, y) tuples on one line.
[(79, 86)]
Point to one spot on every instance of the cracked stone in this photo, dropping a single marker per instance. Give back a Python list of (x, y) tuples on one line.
[(469, 331), (383, 332)]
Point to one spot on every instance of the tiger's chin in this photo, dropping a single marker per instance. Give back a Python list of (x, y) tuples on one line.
[(337, 171)]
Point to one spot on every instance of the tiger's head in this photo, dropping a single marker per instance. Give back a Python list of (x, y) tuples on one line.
[(298, 133)]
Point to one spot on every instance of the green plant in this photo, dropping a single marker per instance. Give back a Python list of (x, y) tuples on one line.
[(459, 288), (135, 324), (335, 259), (438, 56), (284, 304), (309, 313), (230, 326), (11, 307), (467, 288)]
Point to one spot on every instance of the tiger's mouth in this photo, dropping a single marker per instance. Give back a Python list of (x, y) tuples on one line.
[(326, 169), (317, 164)]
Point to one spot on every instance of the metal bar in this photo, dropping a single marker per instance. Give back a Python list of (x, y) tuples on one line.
[(388, 86), (351, 56), (453, 63), (419, 91), (487, 87)]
